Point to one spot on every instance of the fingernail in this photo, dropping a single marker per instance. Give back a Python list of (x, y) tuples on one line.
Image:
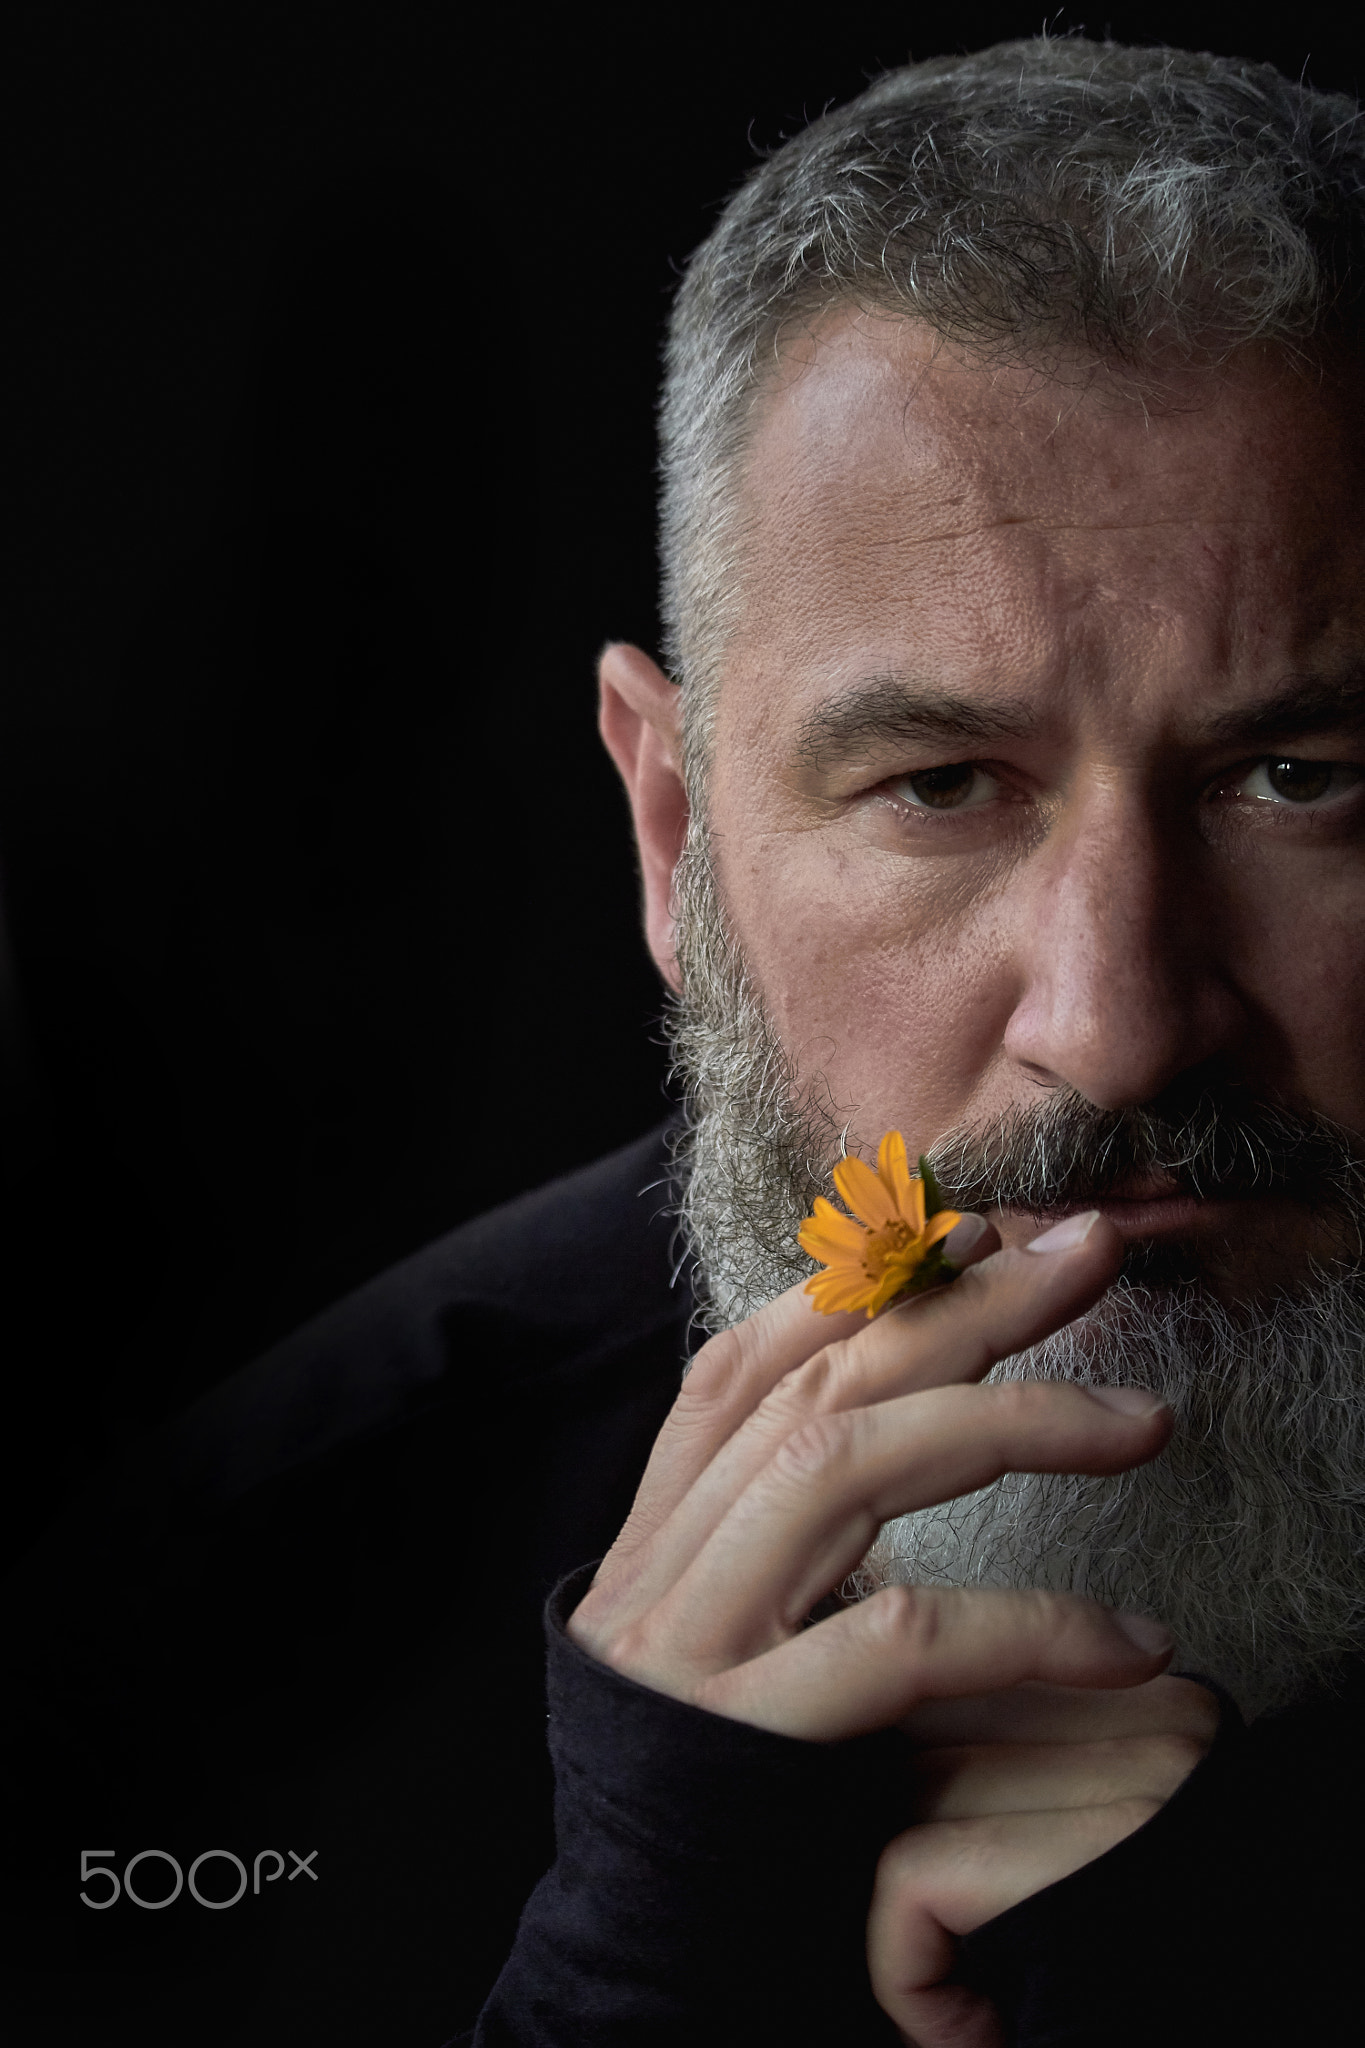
[(1072, 1230), (1151, 1637), (1127, 1400), (962, 1237)]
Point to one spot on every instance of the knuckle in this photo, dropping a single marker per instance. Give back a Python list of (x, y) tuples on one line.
[(1199, 1713), (831, 1368), (817, 1444), (818, 1384), (1052, 1617), (915, 1868), (906, 1616), (901, 1865), (1019, 1404), (629, 1649), (974, 1293), (805, 1387), (714, 1375)]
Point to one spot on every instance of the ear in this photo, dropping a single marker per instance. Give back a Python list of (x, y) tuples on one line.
[(640, 722)]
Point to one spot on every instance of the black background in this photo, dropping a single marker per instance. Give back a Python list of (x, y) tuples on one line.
[(333, 451)]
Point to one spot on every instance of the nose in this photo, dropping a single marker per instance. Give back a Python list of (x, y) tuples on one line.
[(1117, 947)]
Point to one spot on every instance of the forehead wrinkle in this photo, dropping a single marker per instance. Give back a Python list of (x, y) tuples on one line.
[(850, 540)]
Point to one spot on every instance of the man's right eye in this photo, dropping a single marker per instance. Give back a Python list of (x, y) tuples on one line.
[(1285, 779), (960, 786)]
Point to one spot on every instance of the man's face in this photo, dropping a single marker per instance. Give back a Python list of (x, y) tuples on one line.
[(997, 802)]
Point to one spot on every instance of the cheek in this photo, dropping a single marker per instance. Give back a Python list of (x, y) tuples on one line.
[(899, 999), (1305, 976)]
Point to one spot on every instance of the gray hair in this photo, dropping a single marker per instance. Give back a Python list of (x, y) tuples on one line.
[(1042, 196)]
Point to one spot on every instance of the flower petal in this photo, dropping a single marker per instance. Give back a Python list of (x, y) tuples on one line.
[(835, 1256), (832, 1250), (831, 1223), (865, 1194), (893, 1169), (832, 1291), (862, 1270), (893, 1279)]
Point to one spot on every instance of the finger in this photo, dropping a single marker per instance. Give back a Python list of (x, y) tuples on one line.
[(808, 1518), (936, 1340), (735, 1371), (938, 1882), (971, 1239), (971, 1781), (947, 2016), (727, 1380), (867, 1667), (1005, 1302), (1053, 1713), (944, 2015)]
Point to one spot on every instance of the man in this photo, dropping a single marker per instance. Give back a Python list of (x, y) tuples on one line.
[(982, 1671), (1011, 799)]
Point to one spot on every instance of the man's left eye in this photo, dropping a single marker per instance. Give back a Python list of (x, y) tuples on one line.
[(1284, 779), (961, 786)]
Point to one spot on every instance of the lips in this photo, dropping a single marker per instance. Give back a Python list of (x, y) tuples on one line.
[(1170, 1215), (1151, 1210)]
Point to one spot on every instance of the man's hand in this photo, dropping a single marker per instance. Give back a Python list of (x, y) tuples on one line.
[(1016, 1790), (793, 1438), (796, 1435)]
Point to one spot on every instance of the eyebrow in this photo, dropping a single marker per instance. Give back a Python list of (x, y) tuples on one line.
[(891, 710), (1311, 704)]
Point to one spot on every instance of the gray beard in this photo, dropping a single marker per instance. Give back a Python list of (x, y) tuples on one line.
[(1244, 1536)]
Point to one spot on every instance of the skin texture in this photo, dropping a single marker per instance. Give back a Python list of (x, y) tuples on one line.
[(1100, 621)]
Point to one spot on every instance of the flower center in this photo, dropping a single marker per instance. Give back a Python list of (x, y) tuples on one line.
[(886, 1244)]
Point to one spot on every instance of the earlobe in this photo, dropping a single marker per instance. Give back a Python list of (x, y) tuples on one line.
[(640, 722)]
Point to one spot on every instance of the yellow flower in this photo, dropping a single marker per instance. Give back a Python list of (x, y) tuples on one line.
[(867, 1263)]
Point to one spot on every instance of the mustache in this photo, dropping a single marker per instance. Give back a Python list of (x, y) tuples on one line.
[(1214, 1138)]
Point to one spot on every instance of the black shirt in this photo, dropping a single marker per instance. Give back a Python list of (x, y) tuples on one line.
[(304, 1627), (712, 1884)]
